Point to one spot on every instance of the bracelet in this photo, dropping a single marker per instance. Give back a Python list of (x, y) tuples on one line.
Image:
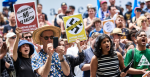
[(62, 60)]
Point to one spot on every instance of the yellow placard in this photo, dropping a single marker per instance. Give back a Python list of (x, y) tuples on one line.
[(74, 28), (108, 26)]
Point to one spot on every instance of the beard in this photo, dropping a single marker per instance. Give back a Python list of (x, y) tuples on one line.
[(120, 25)]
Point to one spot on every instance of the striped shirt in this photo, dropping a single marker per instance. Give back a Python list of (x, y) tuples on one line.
[(108, 66)]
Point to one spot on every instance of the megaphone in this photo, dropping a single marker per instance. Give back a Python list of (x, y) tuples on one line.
[(8, 2)]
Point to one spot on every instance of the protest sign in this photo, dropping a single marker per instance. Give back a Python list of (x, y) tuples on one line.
[(74, 28), (108, 26), (26, 16)]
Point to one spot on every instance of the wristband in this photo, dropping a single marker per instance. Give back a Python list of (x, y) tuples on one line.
[(62, 60)]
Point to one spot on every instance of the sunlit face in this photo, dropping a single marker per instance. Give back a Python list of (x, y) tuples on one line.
[(119, 22), (39, 8), (28, 37), (148, 18), (91, 12), (105, 45), (104, 6), (97, 24), (142, 39), (64, 7), (47, 37), (113, 10), (12, 18), (144, 23), (25, 49)]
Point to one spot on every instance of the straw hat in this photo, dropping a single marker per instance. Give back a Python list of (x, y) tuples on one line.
[(37, 33), (117, 31)]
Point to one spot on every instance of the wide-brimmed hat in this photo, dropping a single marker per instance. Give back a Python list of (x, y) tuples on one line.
[(117, 31), (37, 33), (147, 0)]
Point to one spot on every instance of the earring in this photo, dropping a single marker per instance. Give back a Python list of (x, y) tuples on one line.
[(100, 48)]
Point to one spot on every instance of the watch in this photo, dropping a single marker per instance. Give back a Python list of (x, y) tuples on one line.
[(62, 60)]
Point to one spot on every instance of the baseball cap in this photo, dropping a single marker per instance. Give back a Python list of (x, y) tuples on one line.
[(63, 3), (103, 2), (142, 2), (10, 34), (129, 4)]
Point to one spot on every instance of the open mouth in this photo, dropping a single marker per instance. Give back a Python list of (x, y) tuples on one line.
[(143, 40), (26, 50), (107, 46)]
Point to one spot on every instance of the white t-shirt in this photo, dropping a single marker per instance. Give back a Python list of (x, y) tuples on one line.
[(74, 51)]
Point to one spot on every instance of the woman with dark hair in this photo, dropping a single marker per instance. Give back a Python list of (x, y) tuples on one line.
[(131, 37), (106, 61), (22, 52)]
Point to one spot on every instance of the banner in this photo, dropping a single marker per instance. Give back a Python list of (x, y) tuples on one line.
[(74, 28), (108, 26), (26, 16)]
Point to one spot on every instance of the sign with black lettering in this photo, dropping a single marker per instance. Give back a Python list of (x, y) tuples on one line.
[(26, 16), (74, 28)]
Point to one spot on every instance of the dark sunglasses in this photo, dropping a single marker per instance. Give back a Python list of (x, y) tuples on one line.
[(13, 37), (148, 18), (144, 21), (27, 37), (139, 10), (132, 35), (119, 34), (47, 37)]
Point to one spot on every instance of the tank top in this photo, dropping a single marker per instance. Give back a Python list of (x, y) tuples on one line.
[(108, 66), (91, 28)]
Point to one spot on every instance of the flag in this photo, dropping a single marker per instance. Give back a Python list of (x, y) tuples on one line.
[(136, 4), (98, 13)]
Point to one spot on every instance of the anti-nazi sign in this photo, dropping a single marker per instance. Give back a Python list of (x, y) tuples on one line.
[(74, 28), (26, 16), (74, 25)]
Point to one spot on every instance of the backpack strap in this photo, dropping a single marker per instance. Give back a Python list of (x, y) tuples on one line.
[(132, 57)]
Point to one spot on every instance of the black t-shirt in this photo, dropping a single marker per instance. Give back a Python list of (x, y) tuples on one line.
[(45, 16), (8, 28), (23, 67), (127, 15)]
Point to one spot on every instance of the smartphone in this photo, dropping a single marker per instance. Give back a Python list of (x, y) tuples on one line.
[(55, 42)]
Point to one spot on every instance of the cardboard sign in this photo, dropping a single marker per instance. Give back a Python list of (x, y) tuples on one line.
[(26, 16), (108, 26), (74, 28)]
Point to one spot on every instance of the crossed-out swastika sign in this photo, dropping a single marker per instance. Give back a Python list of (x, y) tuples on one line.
[(74, 28)]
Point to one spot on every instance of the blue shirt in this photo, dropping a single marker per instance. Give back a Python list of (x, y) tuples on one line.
[(101, 31), (39, 59), (88, 53)]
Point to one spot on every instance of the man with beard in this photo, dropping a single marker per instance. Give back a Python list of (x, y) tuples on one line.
[(120, 23), (140, 56), (11, 26), (148, 6)]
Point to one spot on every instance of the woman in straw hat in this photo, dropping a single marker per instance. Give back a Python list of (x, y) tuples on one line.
[(106, 62), (22, 52)]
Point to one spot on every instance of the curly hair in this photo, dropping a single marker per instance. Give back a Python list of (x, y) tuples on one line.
[(97, 50)]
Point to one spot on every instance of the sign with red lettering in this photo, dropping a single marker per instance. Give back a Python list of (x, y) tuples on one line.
[(26, 16)]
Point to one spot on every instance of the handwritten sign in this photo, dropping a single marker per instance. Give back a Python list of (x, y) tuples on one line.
[(108, 26), (26, 16)]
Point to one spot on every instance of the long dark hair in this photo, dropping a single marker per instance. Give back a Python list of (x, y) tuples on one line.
[(97, 50)]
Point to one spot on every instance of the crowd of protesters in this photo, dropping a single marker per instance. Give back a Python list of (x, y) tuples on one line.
[(32, 54)]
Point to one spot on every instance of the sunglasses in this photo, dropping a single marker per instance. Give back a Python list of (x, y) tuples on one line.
[(119, 34), (139, 10), (144, 21), (148, 18), (27, 37), (12, 37), (132, 35), (142, 35), (47, 37)]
